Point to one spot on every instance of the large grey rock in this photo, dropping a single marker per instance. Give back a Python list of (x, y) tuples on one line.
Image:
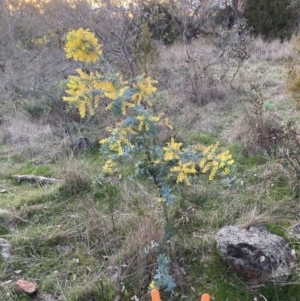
[(255, 253)]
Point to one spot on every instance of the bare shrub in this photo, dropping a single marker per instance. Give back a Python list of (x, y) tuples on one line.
[(261, 131), (205, 70), (194, 75), (289, 152), (211, 93)]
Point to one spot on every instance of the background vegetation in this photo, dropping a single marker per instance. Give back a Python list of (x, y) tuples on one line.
[(90, 237)]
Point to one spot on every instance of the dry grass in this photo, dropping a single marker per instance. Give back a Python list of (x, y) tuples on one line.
[(25, 139), (177, 53), (259, 135), (76, 177), (137, 258), (272, 51)]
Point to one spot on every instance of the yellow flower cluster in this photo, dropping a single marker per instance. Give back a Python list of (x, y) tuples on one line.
[(214, 162), (210, 162), (109, 166), (144, 89), (226, 161), (115, 93), (184, 170), (79, 90), (152, 285), (82, 45), (172, 150), (164, 121), (82, 87), (159, 120), (49, 37), (116, 147), (118, 138), (86, 90), (141, 119), (109, 89)]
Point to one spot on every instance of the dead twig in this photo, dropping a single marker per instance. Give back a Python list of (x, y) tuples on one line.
[(37, 179)]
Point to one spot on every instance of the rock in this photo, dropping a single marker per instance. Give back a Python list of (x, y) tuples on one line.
[(255, 253), (5, 249), (63, 248), (295, 231), (82, 143), (25, 287)]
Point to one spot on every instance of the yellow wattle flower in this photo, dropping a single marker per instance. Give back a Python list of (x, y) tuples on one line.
[(152, 285), (172, 150), (184, 170), (109, 166), (82, 45)]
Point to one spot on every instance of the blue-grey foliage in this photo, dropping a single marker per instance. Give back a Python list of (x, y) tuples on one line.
[(163, 280)]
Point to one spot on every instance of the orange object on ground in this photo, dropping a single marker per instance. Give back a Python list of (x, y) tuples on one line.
[(155, 296), (205, 297)]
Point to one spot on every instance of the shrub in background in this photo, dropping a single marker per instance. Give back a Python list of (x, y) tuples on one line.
[(264, 133), (271, 19), (293, 80), (160, 21), (290, 150), (146, 51)]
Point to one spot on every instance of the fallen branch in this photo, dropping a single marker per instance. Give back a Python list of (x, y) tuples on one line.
[(38, 179)]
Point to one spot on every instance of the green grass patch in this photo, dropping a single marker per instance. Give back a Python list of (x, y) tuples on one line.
[(202, 138), (37, 170)]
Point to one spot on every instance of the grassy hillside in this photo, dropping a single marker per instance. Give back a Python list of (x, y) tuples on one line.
[(84, 240)]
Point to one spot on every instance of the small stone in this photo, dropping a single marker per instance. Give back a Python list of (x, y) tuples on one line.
[(26, 287), (89, 269), (82, 143), (295, 231), (5, 249), (63, 248)]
